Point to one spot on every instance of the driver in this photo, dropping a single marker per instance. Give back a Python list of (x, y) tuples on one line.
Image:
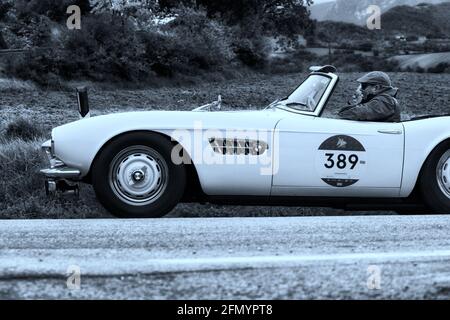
[(374, 100)]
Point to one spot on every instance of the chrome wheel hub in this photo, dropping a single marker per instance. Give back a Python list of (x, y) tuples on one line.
[(443, 173), (138, 175)]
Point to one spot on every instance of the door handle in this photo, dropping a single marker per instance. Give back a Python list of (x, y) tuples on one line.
[(390, 131)]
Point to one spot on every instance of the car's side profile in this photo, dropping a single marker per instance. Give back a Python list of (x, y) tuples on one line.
[(141, 164)]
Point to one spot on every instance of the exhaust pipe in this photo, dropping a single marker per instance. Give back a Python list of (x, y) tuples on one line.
[(53, 187), (83, 102)]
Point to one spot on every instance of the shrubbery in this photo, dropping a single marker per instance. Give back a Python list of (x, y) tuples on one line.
[(126, 47), (53, 9), (103, 50), (442, 67), (112, 50), (350, 62), (23, 129), (190, 44), (123, 46)]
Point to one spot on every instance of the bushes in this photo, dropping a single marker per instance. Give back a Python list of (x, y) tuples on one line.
[(4, 9), (113, 47), (22, 128), (190, 44), (103, 50), (297, 61), (249, 45), (442, 67), (349, 62), (54, 9), (107, 49), (251, 53)]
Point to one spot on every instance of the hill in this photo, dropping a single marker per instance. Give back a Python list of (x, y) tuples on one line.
[(423, 61), (354, 11), (428, 20), (342, 32)]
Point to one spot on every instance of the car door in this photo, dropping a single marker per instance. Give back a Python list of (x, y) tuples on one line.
[(334, 157)]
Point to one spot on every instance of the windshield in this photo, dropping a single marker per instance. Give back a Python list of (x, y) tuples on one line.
[(307, 96)]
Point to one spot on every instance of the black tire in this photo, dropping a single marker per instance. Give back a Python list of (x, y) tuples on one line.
[(154, 150), (432, 193)]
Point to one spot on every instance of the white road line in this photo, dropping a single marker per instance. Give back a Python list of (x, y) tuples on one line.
[(56, 263), (253, 260)]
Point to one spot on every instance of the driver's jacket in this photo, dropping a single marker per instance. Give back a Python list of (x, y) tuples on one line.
[(382, 107)]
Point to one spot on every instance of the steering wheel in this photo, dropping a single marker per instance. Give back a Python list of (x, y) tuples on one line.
[(311, 103)]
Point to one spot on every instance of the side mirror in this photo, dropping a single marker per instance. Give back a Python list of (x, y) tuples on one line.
[(83, 102)]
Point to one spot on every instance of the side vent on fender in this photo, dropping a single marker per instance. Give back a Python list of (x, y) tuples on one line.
[(238, 146)]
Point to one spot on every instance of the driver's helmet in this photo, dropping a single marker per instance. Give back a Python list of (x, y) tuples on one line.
[(376, 77)]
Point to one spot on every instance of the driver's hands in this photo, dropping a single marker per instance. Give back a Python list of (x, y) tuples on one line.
[(357, 98)]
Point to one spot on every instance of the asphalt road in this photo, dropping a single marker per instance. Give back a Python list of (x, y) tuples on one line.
[(405, 257)]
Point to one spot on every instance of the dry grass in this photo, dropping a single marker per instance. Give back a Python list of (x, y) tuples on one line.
[(14, 85), (21, 186)]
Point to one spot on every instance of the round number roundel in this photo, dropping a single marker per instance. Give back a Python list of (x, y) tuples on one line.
[(341, 161)]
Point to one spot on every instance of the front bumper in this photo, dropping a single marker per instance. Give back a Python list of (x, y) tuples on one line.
[(61, 173), (58, 173)]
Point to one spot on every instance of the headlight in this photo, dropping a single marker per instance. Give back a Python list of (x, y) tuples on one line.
[(49, 148), (52, 148)]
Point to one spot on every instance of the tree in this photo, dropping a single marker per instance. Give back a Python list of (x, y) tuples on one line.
[(4, 8), (56, 10), (285, 17), (279, 11), (3, 44), (171, 4)]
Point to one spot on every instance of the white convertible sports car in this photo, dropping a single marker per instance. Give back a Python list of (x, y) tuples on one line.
[(141, 164)]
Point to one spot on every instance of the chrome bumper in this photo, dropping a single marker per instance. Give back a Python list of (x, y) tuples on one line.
[(61, 173)]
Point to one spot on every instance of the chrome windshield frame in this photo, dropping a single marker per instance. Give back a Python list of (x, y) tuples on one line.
[(323, 100)]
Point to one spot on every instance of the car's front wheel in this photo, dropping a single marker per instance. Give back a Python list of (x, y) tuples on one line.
[(435, 179), (134, 176)]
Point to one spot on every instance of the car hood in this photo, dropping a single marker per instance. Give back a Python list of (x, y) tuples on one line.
[(171, 120)]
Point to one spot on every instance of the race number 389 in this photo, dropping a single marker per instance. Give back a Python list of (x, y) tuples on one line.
[(341, 161)]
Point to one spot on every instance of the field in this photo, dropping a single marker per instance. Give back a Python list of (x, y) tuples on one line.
[(424, 61), (21, 191)]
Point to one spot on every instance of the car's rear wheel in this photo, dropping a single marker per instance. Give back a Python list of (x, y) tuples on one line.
[(134, 176), (435, 179)]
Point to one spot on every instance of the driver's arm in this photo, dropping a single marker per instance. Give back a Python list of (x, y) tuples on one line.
[(373, 110)]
